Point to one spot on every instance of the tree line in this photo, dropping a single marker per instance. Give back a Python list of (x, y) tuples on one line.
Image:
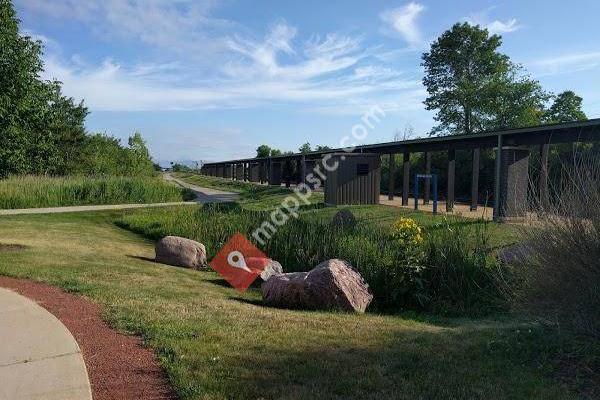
[(41, 130)]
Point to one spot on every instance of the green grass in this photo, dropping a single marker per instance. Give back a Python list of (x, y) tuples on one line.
[(259, 197), (215, 343), (252, 196), (459, 277), (43, 191)]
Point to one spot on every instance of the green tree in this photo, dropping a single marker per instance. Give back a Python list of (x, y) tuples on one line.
[(139, 156), (565, 108), (41, 131), (102, 155), (322, 148), (474, 87), (305, 148), (513, 100), (263, 151), (275, 152)]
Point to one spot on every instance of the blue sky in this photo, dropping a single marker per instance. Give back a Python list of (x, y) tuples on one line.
[(211, 80)]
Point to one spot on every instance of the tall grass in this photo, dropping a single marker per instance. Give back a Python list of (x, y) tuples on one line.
[(43, 191), (302, 243), (561, 270)]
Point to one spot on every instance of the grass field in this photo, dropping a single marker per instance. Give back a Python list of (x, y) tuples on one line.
[(215, 343), (43, 191)]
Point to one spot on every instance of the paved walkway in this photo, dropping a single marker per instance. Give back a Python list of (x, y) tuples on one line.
[(205, 195), (50, 210), (39, 358)]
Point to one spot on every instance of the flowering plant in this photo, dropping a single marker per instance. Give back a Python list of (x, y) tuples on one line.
[(407, 232)]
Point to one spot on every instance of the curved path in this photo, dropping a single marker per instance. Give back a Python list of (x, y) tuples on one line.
[(39, 358), (205, 195)]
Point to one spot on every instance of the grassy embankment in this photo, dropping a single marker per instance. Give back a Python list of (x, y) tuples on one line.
[(42, 191), (216, 343), (453, 271)]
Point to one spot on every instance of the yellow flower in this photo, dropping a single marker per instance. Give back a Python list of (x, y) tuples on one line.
[(407, 232)]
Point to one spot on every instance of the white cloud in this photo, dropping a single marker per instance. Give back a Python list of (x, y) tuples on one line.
[(178, 26), (496, 26), (499, 27), (566, 63), (403, 21), (206, 62)]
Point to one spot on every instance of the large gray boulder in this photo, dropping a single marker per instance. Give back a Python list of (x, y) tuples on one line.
[(332, 285), (182, 252)]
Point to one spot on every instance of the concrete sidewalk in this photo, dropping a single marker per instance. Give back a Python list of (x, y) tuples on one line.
[(53, 210), (39, 358), (205, 195)]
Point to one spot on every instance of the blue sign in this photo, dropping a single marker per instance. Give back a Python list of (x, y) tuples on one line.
[(428, 178)]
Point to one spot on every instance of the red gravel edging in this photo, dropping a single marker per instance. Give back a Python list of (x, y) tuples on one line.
[(118, 366)]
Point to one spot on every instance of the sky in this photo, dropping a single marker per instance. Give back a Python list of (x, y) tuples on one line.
[(211, 80)]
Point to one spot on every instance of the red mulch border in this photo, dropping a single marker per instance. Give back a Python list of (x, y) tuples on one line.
[(118, 366)]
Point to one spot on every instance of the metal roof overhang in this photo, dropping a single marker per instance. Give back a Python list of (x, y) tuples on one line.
[(584, 131)]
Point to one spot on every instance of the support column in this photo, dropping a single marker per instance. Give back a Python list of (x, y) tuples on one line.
[(270, 171), (405, 177), (451, 173), (543, 183), (514, 182), (427, 180), (303, 170), (262, 172), (392, 175), (497, 184), (244, 172), (288, 169), (475, 180)]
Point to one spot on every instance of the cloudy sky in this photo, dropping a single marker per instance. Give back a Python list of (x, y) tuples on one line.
[(210, 80)]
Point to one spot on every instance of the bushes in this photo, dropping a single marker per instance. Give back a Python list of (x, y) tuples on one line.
[(561, 274), (440, 275), (39, 191)]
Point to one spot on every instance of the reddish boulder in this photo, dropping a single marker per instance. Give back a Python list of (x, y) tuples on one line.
[(332, 285)]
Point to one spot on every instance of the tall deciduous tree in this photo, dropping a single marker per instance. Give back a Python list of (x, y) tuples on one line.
[(38, 125), (473, 87), (566, 108), (263, 151)]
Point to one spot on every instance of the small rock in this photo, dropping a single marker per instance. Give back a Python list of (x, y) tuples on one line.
[(343, 218), (181, 252), (272, 268), (514, 254), (333, 284)]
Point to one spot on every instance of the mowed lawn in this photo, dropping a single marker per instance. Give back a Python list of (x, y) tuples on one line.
[(216, 343)]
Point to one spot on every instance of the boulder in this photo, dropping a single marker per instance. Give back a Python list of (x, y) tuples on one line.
[(514, 254), (182, 252), (332, 285), (343, 218)]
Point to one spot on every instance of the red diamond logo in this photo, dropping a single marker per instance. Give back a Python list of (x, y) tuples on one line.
[(239, 262)]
